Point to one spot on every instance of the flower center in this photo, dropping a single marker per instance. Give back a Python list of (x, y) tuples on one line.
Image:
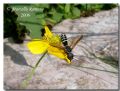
[(55, 41)]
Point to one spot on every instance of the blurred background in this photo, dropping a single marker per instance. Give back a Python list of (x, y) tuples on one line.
[(31, 18)]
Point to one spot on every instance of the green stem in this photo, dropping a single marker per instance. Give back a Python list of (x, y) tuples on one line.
[(26, 81), (40, 60)]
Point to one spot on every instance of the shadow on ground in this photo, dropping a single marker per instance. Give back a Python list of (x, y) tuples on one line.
[(15, 56)]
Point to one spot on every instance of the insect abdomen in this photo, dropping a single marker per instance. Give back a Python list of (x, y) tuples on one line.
[(68, 49), (64, 39)]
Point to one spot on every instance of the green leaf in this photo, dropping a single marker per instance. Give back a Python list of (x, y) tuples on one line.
[(61, 6), (43, 5), (75, 12), (83, 7), (50, 20), (98, 7), (57, 16), (42, 22), (40, 16), (89, 6), (52, 11), (68, 15), (67, 8)]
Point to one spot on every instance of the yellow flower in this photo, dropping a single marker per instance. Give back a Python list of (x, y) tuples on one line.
[(50, 43)]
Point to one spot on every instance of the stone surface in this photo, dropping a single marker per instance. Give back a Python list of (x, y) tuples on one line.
[(100, 33)]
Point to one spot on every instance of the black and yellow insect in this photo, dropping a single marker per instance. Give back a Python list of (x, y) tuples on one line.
[(67, 48)]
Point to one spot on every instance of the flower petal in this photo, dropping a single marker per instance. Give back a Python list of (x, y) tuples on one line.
[(58, 52), (37, 47), (48, 33), (67, 60)]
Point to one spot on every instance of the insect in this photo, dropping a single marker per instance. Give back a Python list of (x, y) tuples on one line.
[(64, 40), (68, 49)]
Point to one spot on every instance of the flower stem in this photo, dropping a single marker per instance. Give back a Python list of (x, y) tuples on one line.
[(40, 60), (26, 81)]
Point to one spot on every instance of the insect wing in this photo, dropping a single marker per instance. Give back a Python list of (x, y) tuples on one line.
[(73, 41)]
